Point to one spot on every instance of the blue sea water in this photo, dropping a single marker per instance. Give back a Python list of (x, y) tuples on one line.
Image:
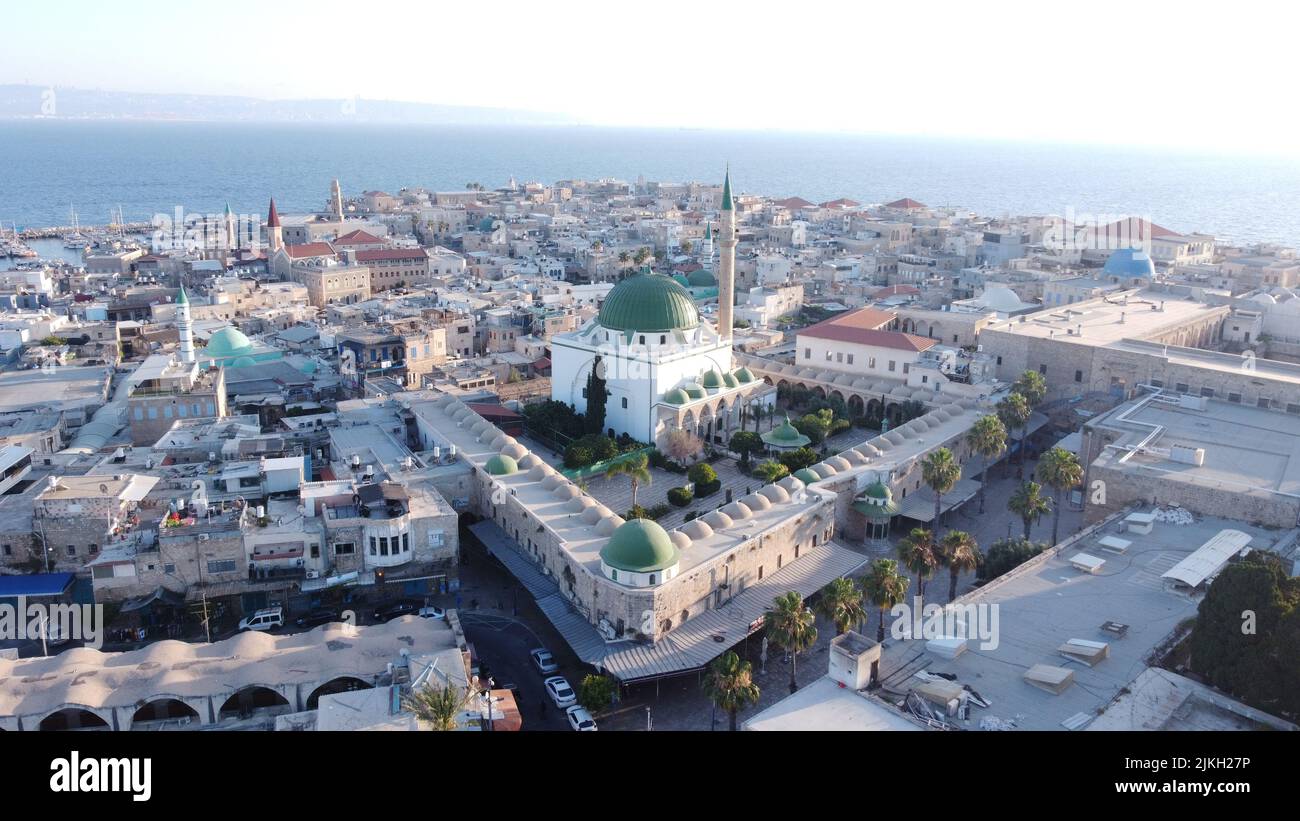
[(49, 167)]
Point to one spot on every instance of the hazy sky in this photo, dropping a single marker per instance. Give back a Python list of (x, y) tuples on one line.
[(1189, 74)]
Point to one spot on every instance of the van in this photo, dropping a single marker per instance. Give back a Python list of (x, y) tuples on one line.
[(263, 619)]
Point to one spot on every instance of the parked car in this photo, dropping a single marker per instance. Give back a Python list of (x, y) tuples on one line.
[(560, 692), (580, 719), (392, 610), (543, 661), (432, 613), (263, 619), (318, 616)]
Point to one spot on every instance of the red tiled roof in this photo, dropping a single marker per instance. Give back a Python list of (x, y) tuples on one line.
[(358, 237), (895, 290), (376, 254), (906, 202), (793, 203), (310, 249), (863, 327), (491, 411), (841, 203), (1130, 229)]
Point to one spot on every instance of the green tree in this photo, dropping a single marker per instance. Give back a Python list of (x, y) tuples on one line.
[(636, 468), (816, 425), (641, 255), (596, 693), (988, 438), (1014, 411), (702, 473), (841, 603), (940, 470), (1032, 386), (1029, 503), (791, 626), (959, 552), (918, 552), (1007, 554), (885, 587), (746, 443), (597, 395), (730, 685), (1060, 470), (798, 459), (771, 471), (437, 706)]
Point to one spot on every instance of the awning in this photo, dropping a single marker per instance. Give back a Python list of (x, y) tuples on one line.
[(1209, 558), (35, 584), (160, 594), (919, 505)]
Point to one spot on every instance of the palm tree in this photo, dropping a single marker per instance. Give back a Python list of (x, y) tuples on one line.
[(885, 587), (841, 603), (791, 626), (437, 706), (730, 685), (988, 438), (635, 468), (959, 552), (1032, 386), (1029, 503), (940, 470), (918, 553), (1014, 411), (1060, 470)]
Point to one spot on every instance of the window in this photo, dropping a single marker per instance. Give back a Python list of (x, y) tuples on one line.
[(807, 353), (663, 340), (169, 568), (584, 393), (1157, 383), (643, 340), (1181, 387), (72, 550), (828, 356), (1207, 392), (999, 360), (1262, 402), (344, 549), (891, 366), (8, 550), (839, 357), (315, 551), (94, 548), (1291, 407), (406, 543), (1042, 369), (850, 359), (653, 579), (1078, 376), (907, 367), (221, 565), (1235, 398), (871, 363), (624, 402)]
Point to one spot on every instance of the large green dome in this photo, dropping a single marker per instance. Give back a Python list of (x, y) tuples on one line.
[(640, 546), (702, 279), (228, 343), (649, 302), (501, 465)]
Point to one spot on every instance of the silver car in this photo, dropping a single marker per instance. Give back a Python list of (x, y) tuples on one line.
[(560, 692), (580, 719), (543, 661)]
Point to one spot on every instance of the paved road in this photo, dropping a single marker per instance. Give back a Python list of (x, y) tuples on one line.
[(502, 644)]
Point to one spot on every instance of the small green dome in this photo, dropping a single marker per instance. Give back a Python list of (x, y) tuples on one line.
[(744, 376), (730, 381), (879, 490), (786, 436), (501, 465), (649, 302), (681, 280), (676, 396), (242, 362), (806, 476), (711, 379), (694, 390), (702, 279), (228, 343), (640, 546)]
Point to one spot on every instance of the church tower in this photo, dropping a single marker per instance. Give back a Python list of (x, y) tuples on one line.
[(726, 261), (274, 233), (185, 327), (336, 201)]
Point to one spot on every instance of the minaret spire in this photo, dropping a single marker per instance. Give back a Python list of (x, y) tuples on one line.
[(727, 260), (184, 326)]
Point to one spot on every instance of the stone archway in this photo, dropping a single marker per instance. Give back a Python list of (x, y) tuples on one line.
[(248, 700), (164, 709), (342, 684), (74, 718), (856, 406)]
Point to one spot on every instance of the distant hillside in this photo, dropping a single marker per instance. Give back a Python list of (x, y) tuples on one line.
[(30, 101)]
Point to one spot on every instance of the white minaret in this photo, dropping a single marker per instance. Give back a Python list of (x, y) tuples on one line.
[(706, 249), (336, 201), (185, 327), (726, 261)]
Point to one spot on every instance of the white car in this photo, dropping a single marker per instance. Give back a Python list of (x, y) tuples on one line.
[(432, 613), (580, 719), (560, 692), (263, 619), (543, 661)]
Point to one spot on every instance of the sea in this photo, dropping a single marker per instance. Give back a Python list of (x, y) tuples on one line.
[(49, 168)]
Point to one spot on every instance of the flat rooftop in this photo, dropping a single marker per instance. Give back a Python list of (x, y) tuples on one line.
[(1132, 314), (825, 705), (1246, 448), (61, 387), (1046, 602)]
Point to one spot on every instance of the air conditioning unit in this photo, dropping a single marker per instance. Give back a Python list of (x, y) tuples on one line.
[(313, 574)]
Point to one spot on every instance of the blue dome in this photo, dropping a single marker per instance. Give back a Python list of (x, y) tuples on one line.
[(1130, 262)]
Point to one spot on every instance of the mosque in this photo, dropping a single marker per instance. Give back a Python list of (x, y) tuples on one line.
[(665, 367), (228, 347)]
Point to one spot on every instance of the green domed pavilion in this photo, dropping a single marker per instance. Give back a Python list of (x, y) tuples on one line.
[(786, 437)]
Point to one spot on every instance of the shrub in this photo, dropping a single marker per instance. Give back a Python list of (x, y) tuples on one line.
[(694, 514), (651, 513), (702, 474), (795, 460), (664, 463), (1005, 555), (707, 488), (590, 449), (596, 693), (680, 496), (771, 471)]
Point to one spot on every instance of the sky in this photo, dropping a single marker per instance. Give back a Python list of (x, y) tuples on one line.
[(1194, 74)]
